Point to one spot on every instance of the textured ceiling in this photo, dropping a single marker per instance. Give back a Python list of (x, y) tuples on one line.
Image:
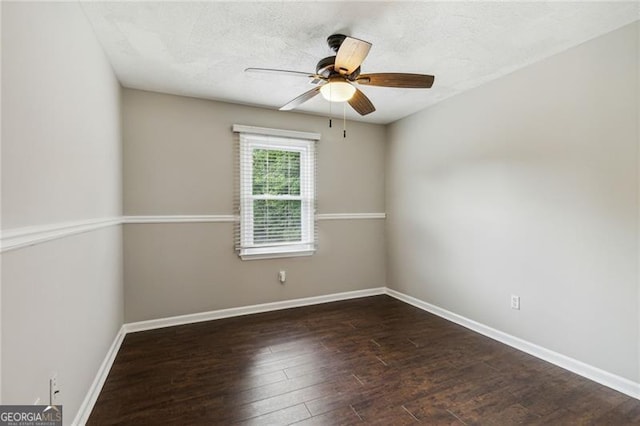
[(200, 49)]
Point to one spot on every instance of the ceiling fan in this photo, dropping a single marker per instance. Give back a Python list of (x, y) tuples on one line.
[(337, 76)]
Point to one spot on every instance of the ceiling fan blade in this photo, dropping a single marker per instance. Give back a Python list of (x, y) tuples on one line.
[(361, 103), (301, 99), (396, 79), (351, 54), (285, 72)]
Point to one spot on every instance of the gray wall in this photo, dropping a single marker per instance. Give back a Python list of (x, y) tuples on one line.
[(179, 160), (62, 300), (529, 186)]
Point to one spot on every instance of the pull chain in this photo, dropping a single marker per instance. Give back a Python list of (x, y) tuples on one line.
[(330, 110), (344, 120)]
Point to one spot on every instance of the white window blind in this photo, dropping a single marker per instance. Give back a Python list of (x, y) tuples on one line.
[(276, 199)]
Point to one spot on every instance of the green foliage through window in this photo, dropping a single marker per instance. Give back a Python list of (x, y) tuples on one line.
[(276, 221), (276, 173)]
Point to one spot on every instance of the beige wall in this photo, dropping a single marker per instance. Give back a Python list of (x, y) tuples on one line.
[(179, 160), (529, 186), (62, 300)]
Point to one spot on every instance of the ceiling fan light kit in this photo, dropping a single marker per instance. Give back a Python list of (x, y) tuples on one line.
[(337, 91), (337, 77)]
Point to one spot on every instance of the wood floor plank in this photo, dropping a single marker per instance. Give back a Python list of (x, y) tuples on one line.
[(343, 416), (373, 360), (286, 416), (380, 411)]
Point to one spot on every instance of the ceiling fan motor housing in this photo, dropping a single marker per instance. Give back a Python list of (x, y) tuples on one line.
[(326, 68), (335, 41)]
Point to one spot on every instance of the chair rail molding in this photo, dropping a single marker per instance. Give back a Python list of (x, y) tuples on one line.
[(198, 218), (16, 238), (229, 218)]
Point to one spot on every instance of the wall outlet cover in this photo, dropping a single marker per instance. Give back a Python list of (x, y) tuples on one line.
[(515, 302)]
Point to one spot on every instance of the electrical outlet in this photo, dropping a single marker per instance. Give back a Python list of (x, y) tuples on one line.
[(54, 389), (515, 302), (282, 276)]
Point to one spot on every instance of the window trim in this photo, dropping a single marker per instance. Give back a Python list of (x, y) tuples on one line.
[(274, 139)]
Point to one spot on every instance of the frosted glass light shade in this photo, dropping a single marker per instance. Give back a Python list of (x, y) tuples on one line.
[(337, 91)]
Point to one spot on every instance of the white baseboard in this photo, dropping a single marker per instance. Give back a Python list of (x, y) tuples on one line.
[(94, 391), (605, 378), (246, 310)]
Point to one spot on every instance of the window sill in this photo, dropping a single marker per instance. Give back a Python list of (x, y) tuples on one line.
[(256, 254)]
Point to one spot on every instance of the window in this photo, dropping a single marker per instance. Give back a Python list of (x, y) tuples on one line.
[(276, 195)]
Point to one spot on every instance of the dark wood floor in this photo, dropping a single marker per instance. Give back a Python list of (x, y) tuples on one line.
[(370, 361)]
